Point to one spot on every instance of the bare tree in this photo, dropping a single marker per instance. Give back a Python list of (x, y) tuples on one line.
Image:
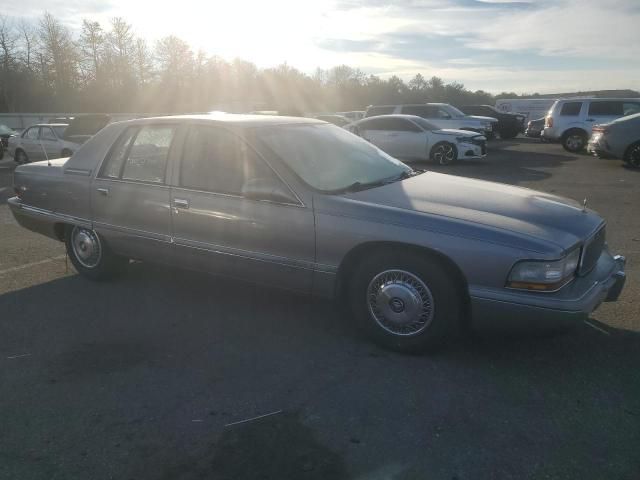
[(59, 54), (28, 40), (92, 45)]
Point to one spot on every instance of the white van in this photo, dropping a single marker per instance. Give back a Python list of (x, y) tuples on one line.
[(570, 120), (531, 108)]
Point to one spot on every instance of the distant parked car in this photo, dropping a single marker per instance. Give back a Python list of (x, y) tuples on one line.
[(618, 139), (83, 127), (571, 120), (338, 120), (414, 138), (304, 205), (534, 128), (353, 115), (509, 124), (40, 142), (5, 134), (442, 115)]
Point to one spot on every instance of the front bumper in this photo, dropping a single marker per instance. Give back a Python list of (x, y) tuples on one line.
[(471, 150), (571, 304)]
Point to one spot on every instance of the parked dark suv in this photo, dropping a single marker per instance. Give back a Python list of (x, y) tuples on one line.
[(509, 124)]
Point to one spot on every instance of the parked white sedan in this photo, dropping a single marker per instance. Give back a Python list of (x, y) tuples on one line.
[(414, 138), (41, 142)]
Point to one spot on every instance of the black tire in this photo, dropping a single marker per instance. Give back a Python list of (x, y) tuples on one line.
[(20, 156), (439, 307), (632, 155), (1, 152), (91, 256), (508, 134), (574, 141), (66, 153), (443, 153)]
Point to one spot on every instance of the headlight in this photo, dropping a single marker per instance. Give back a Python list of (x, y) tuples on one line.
[(544, 276)]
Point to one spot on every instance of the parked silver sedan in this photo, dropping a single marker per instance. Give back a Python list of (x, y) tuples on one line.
[(307, 206), (40, 142), (618, 139)]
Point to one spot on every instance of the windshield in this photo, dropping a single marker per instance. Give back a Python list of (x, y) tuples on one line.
[(453, 111), (4, 130), (329, 158)]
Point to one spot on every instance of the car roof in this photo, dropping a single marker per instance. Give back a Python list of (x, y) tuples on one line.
[(607, 99), (49, 125), (393, 115), (229, 119)]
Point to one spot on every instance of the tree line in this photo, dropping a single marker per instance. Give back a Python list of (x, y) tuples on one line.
[(46, 68)]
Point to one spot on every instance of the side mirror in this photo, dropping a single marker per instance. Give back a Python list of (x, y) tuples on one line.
[(269, 189)]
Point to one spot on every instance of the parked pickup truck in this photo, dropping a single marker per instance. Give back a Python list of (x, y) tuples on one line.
[(304, 205)]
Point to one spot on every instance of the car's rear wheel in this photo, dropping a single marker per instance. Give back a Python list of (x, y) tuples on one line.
[(444, 153), (405, 302), (632, 155), (90, 255), (574, 141), (20, 157)]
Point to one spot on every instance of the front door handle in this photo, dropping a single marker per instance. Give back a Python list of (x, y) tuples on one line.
[(103, 191), (180, 203)]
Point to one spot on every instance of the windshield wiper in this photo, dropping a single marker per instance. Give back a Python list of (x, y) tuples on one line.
[(357, 186)]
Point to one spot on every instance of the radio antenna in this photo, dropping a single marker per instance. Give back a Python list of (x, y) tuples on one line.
[(44, 150)]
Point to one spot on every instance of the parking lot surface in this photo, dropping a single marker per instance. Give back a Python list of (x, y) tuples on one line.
[(169, 374)]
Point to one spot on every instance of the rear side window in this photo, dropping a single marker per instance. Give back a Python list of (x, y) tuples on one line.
[(147, 159), (215, 160), (424, 111), (47, 134), (389, 124), (113, 165), (571, 109), (613, 108), (630, 108), (375, 111)]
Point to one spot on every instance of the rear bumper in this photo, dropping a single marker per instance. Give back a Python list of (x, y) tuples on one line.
[(573, 303)]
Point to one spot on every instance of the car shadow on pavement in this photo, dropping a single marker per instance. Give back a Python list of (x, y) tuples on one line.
[(162, 374)]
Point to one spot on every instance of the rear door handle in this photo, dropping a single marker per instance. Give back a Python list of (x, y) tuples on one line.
[(180, 203), (103, 191)]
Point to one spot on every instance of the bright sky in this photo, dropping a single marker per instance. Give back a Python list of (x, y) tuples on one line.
[(495, 45)]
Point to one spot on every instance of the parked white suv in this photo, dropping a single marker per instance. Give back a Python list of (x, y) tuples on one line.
[(570, 120), (442, 115)]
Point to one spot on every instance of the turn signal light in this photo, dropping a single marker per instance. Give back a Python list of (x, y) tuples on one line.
[(548, 122)]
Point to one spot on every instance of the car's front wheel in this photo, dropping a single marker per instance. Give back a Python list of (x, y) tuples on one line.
[(574, 141), (405, 302), (444, 153), (20, 157), (90, 255), (632, 155)]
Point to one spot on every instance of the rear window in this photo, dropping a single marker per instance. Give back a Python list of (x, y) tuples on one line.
[(374, 111), (571, 109), (612, 108)]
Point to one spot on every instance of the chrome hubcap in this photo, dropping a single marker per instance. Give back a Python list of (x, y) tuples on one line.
[(400, 302), (574, 142), (86, 247), (444, 154)]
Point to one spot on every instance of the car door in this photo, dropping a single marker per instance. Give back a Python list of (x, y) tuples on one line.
[(130, 197), (375, 130), (219, 230), (30, 143), (50, 144), (603, 111), (405, 138)]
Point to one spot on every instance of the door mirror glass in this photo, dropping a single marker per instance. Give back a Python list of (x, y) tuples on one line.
[(267, 189)]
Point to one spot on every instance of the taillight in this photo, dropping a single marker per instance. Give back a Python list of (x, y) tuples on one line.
[(548, 122), (600, 129), (19, 191)]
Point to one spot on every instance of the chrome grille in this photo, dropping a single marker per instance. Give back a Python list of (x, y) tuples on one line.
[(592, 251)]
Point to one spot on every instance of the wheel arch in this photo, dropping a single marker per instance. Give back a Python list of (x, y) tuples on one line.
[(358, 253), (571, 130)]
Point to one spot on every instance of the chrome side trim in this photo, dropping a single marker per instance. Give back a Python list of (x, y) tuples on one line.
[(77, 171), (56, 217), (240, 197), (166, 238), (245, 254)]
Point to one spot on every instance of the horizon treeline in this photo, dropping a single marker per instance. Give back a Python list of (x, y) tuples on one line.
[(107, 68)]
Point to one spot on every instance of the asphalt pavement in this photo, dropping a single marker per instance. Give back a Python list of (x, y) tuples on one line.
[(169, 374)]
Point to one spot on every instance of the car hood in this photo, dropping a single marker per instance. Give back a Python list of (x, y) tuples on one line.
[(501, 208), (484, 119), (457, 133)]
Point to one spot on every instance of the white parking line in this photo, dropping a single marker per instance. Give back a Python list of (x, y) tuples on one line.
[(29, 265)]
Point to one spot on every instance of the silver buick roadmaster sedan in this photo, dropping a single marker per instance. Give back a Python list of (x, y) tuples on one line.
[(307, 206)]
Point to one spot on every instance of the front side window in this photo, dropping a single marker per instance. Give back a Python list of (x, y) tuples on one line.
[(630, 108), (611, 108), (571, 109), (329, 158), (147, 159), (47, 134), (32, 133), (215, 160)]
